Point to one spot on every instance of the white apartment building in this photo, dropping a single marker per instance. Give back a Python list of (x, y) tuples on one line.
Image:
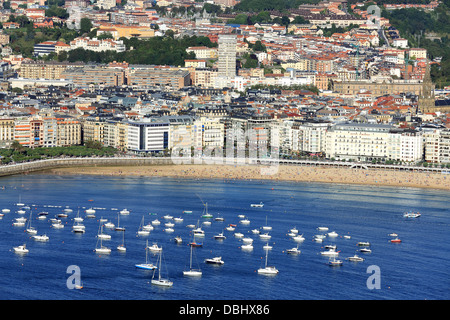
[(148, 135), (367, 142), (406, 145), (203, 52), (309, 137), (227, 55), (212, 132), (437, 146), (97, 45)]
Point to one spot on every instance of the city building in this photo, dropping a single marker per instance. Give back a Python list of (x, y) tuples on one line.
[(148, 135), (41, 69), (227, 55)]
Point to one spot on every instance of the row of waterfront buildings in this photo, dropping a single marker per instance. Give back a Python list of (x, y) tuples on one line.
[(264, 136)]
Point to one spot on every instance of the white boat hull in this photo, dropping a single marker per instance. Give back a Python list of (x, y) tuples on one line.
[(192, 273)]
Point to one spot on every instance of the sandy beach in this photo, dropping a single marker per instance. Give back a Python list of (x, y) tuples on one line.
[(283, 173)]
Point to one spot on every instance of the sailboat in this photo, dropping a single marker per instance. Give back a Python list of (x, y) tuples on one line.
[(192, 272), (269, 270), (267, 227), (206, 214), (118, 228), (141, 230), (121, 247), (78, 218), (101, 248), (30, 229), (146, 265), (160, 281), (20, 204)]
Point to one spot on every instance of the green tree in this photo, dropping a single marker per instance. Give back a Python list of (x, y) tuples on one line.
[(85, 25)]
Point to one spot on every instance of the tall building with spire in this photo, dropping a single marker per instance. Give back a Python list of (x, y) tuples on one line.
[(426, 97)]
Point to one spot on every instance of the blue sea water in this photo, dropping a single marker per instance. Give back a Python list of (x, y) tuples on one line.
[(417, 268)]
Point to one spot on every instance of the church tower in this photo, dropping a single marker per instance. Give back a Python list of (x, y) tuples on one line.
[(426, 97)]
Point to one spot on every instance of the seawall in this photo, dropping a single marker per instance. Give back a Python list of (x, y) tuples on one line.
[(40, 165)]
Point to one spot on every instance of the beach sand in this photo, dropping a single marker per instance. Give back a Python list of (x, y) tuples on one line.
[(325, 174)]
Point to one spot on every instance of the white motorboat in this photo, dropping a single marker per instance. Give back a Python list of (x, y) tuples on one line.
[(356, 258), (247, 240), (79, 228), (156, 222), (219, 219), (168, 217), (179, 219), (294, 230), (57, 225), (238, 235), (363, 244), (169, 224), (21, 249), (247, 247), (298, 238), (393, 234), (178, 239), (41, 238), (245, 221), (265, 236), (148, 227), (268, 270), (230, 228), (330, 253), (257, 205), (124, 212), (330, 247), (154, 248), (411, 214), (169, 230), (322, 228), (6, 210), (335, 263), (19, 222), (332, 234), (220, 236), (293, 251), (267, 247), (90, 212), (109, 225), (215, 260), (365, 250), (255, 231)]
